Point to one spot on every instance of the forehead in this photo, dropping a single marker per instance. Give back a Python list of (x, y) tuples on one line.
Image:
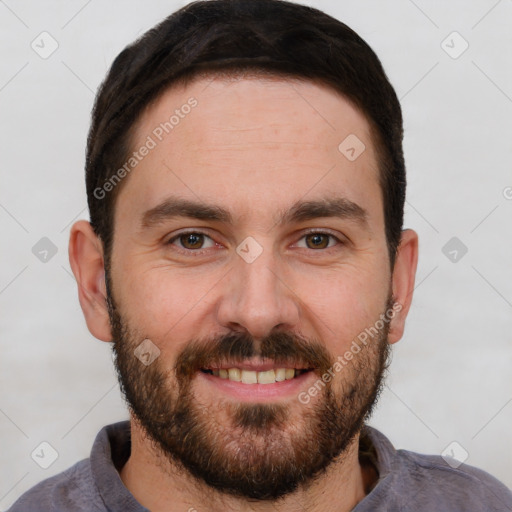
[(253, 141)]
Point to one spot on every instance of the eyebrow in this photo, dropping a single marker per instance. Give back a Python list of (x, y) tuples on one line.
[(300, 211), (340, 207), (173, 207)]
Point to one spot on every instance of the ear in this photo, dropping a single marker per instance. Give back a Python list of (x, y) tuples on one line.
[(87, 263), (403, 277)]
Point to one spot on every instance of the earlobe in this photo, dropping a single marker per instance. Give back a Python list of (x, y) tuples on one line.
[(403, 279), (87, 262)]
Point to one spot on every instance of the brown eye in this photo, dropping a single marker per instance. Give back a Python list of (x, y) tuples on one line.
[(192, 240), (317, 241)]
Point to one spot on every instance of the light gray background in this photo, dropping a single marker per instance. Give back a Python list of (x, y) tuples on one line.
[(450, 379)]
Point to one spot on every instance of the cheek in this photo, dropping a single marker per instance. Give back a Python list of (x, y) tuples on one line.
[(164, 304), (344, 304)]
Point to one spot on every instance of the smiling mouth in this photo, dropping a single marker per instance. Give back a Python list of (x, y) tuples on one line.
[(270, 376)]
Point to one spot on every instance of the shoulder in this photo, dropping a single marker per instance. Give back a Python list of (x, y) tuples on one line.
[(414, 481), (72, 490), (465, 486)]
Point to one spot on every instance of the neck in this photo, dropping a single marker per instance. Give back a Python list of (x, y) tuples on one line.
[(159, 485)]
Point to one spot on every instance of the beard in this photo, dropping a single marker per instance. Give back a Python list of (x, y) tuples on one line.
[(259, 451)]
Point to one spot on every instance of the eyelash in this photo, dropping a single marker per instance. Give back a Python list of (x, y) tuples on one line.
[(199, 252)]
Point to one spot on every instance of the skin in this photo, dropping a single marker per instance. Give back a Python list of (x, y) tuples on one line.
[(253, 146)]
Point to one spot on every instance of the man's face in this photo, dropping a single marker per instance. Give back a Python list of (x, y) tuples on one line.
[(280, 263)]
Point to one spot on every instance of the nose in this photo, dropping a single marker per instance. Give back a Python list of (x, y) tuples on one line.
[(257, 298)]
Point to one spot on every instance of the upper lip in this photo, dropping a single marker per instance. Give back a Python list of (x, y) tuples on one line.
[(256, 366)]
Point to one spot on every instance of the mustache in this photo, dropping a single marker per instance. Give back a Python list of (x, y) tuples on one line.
[(282, 348)]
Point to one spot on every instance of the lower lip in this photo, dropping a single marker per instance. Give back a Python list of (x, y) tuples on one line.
[(258, 392)]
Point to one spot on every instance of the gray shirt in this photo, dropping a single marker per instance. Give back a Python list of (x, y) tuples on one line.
[(407, 481)]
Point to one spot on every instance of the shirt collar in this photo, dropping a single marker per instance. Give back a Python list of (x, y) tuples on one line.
[(110, 451)]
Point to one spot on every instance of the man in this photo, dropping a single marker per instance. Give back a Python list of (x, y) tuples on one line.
[(245, 255)]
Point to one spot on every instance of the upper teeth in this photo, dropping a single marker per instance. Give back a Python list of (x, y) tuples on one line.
[(253, 377)]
